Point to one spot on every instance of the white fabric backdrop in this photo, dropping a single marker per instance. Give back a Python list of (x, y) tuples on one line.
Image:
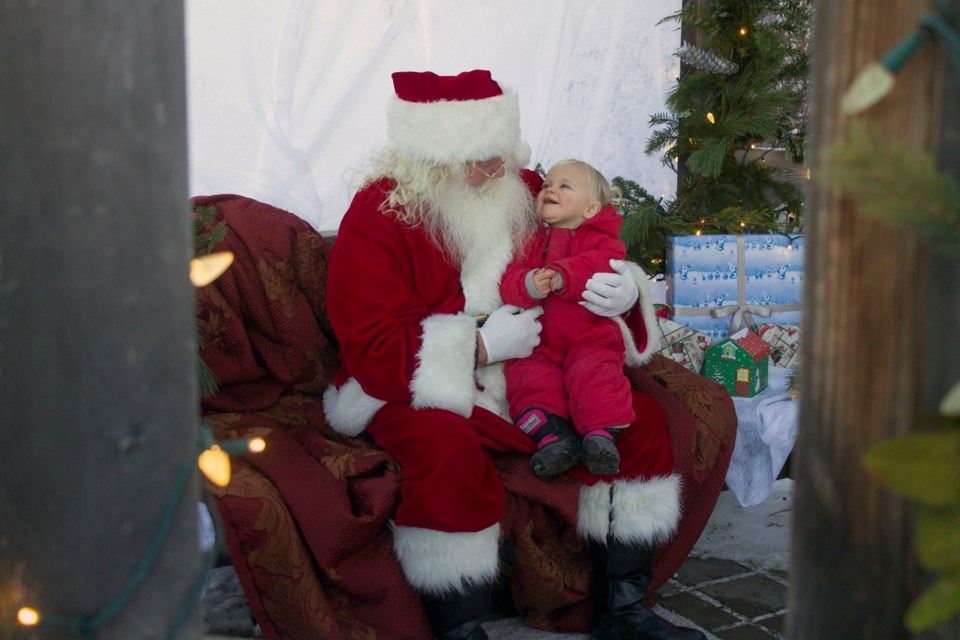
[(287, 97)]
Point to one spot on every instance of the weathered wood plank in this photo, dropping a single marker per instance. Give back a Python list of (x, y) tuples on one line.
[(866, 357), (97, 385)]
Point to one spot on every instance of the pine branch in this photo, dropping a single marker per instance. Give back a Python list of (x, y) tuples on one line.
[(207, 232)]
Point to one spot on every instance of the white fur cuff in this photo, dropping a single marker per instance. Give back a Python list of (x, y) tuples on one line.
[(440, 562), (349, 409), (644, 511), (444, 376)]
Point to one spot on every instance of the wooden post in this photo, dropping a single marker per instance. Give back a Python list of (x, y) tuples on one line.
[(97, 384), (867, 365)]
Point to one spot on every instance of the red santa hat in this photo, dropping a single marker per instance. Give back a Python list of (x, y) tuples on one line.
[(450, 119)]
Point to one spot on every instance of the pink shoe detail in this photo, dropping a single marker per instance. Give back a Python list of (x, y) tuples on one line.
[(599, 432), (531, 421)]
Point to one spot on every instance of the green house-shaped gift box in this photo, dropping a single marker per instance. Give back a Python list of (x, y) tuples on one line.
[(739, 363)]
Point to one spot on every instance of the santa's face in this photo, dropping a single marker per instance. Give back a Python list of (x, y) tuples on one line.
[(565, 200), (479, 172)]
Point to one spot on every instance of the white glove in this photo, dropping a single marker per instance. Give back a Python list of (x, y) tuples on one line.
[(611, 294), (511, 332)]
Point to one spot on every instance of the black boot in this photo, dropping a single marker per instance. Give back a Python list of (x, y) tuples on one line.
[(600, 453), (457, 615), (622, 577), (558, 447)]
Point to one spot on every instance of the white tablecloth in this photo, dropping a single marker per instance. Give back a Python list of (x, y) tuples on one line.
[(766, 433)]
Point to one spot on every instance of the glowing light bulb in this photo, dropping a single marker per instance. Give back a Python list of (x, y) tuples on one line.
[(743, 224), (205, 270), (698, 232), (873, 83), (711, 118), (257, 445), (28, 617), (753, 145), (790, 246), (215, 465), (743, 31)]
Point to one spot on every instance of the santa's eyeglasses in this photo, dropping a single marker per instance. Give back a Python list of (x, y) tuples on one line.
[(484, 167)]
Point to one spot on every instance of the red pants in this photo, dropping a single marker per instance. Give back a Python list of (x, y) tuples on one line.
[(449, 482), (586, 385), (575, 372)]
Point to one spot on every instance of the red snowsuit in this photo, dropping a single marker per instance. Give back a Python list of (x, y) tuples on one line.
[(577, 370)]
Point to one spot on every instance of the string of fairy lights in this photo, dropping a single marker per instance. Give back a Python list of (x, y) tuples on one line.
[(213, 461)]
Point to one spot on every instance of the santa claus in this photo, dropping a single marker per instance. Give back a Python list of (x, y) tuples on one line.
[(413, 296)]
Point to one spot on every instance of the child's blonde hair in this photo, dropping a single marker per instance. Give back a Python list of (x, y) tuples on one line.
[(600, 189)]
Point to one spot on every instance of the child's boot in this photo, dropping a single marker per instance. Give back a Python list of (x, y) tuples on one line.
[(599, 452), (558, 447)]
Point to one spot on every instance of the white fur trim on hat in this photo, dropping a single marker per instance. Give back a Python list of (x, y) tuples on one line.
[(349, 409), (441, 562), (448, 132), (522, 154), (644, 511), (444, 376)]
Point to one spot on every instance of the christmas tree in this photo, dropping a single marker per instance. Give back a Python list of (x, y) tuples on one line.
[(741, 95)]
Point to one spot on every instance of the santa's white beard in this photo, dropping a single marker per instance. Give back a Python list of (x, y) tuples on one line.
[(479, 228), (466, 220)]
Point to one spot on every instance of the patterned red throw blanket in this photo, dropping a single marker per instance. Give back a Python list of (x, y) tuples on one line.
[(306, 521)]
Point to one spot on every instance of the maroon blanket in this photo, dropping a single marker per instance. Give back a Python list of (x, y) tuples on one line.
[(305, 521)]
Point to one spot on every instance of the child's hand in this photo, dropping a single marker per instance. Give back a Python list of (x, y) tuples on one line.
[(556, 280), (542, 280)]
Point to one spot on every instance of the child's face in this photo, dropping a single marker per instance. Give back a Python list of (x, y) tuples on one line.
[(564, 200)]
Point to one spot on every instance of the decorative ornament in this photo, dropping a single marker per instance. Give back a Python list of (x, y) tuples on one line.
[(706, 61)]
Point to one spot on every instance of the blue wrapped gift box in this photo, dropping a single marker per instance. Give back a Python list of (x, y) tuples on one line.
[(717, 283)]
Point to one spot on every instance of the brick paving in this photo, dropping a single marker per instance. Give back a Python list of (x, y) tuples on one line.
[(728, 599)]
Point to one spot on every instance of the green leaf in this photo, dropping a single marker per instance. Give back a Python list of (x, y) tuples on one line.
[(937, 604), (924, 466), (938, 538)]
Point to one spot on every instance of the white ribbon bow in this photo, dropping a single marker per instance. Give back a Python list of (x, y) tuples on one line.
[(740, 313)]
